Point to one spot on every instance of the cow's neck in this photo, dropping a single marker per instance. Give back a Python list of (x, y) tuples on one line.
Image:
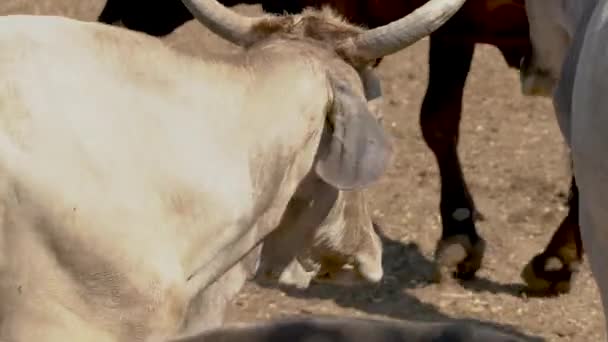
[(280, 125)]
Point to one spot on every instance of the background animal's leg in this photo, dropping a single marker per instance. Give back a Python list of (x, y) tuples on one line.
[(111, 12), (552, 270), (161, 19), (460, 250), (280, 7)]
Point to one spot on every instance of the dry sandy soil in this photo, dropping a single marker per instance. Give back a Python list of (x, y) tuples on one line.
[(514, 161)]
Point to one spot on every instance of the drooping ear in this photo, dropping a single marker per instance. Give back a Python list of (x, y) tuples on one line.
[(371, 84), (354, 149)]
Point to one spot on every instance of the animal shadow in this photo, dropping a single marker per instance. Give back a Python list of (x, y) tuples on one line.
[(405, 268)]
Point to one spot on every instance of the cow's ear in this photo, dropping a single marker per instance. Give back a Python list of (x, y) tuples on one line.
[(371, 84), (354, 149)]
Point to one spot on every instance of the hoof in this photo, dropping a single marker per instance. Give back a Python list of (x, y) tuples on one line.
[(349, 276), (549, 275), (365, 271), (457, 257)]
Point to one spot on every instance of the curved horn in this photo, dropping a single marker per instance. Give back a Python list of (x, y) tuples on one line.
[(399, 34), (223, 21)]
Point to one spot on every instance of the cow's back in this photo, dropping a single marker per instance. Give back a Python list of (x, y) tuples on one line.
[(108, 172)]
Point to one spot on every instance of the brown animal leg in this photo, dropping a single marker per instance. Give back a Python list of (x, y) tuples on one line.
[(551, 271), (111, 12), (460, 249)]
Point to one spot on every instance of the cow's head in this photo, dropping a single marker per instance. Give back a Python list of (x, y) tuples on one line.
[(550, 33), (354, 149), (325, 235)]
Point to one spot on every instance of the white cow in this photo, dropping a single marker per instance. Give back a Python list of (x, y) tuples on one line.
[(325, 234), (134, 176), (570, 61), (322, 234)]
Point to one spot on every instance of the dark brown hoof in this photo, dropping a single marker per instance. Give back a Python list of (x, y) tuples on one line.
[(457, 257), (549, 275)]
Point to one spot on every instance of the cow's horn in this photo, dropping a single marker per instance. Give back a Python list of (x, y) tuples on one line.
[(385, 40), (223, 21)]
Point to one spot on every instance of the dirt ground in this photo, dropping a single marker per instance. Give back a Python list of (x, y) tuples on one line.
[(514, 161)]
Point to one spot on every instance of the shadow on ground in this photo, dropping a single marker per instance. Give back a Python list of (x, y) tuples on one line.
[(405, 267)]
